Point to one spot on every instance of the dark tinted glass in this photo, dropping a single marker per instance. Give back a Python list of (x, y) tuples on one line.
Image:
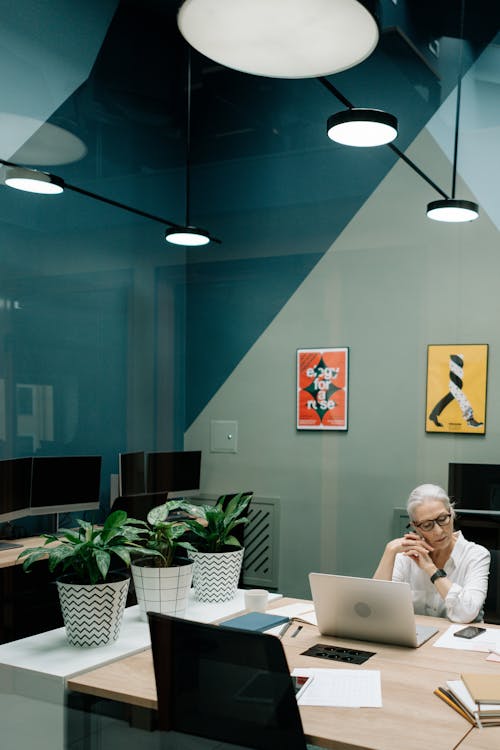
[(230, 685)]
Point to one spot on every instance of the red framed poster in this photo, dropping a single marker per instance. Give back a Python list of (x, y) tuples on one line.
[(322, 389)]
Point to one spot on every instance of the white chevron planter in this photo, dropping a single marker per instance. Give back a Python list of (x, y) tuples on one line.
[(163, 590), (93, 613), (216, 575)]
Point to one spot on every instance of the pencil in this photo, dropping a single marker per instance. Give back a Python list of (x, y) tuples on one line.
[(441, 694)]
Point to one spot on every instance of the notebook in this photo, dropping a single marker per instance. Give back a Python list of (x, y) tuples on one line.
[(367, 609), (256, 621), (483, 687)]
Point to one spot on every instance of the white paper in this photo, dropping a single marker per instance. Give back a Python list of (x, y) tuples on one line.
[(293, 610), (488, 641), (343, 688)]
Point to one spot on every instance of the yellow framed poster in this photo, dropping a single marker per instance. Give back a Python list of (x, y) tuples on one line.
[(456, 388)]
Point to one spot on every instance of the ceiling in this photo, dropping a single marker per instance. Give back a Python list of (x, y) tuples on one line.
[(112, 74)]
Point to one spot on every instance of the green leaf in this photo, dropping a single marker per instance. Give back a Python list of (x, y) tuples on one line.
[(32, 555), (103, 560), (232, 541), (158, 514), (116, 518), (124, 554)]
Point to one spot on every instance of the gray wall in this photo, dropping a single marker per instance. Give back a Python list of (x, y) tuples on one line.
[(391, 284)]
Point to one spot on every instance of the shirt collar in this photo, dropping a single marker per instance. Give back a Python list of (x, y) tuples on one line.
[(457, 548)]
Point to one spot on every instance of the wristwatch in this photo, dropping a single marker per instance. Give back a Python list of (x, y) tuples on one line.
[(440, 573)]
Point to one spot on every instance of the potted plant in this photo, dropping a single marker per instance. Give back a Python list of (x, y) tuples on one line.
[(162, 578), (219, 554), (91, 594)]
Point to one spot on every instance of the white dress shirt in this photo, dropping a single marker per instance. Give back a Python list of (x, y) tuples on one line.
[(467, 569)]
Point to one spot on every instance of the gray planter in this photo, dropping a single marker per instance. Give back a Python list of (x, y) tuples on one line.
[(93, 613), (163, 590), (216, 575)]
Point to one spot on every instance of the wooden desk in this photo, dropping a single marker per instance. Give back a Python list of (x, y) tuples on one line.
[(8, 557), (412, 716)]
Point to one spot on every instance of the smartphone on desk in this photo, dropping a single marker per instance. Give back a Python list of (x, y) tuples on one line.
[(469, 632)]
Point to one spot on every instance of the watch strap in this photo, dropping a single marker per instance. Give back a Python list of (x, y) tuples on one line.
[(440, 573)]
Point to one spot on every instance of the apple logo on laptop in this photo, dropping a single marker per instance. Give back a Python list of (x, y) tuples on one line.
[(362, 609)]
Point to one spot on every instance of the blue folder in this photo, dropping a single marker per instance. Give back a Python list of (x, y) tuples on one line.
[(259, 621)]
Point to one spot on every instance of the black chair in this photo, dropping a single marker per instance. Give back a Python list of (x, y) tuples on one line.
[(492, 602), (223, 684), (138, 506)]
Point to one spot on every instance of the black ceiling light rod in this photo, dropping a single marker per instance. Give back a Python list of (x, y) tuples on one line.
[(338, 95), (334, 90), (102, 198), (417, 169), (455, 209)]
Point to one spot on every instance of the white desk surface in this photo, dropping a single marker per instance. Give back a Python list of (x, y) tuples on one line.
[(49, 653)]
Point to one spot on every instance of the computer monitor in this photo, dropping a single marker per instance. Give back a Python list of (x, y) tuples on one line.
[(132, 476), (15, 485), (177, 472), (475, 486), (62, 484)]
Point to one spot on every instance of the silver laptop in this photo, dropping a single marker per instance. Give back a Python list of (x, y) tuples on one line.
[(367, 609)]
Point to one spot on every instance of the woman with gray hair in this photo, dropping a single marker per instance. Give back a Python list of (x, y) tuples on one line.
[(448, 575)]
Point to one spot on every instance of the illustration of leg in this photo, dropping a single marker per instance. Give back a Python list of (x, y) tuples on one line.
[(456, 383), (442, 404)]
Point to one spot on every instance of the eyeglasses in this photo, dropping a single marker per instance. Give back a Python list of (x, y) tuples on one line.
[(442, 520)]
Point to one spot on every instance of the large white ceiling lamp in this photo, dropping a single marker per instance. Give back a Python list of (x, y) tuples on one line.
[(453, 209), (280, 38)]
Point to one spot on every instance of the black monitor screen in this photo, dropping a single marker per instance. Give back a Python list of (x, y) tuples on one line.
[(475, 486), (132, 473), (65, 483), (15, 485), (174, 472)]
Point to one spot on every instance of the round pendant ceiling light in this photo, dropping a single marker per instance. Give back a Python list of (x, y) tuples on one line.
[(280, 38), (452, 210), (188, 236), (32, 181), (362, 127)]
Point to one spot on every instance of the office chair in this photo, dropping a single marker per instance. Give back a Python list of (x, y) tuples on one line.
[(231, 686), (492, 602), (138, 506)]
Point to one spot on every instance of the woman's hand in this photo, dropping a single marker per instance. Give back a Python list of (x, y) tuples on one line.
[(410, 544), (418, 550)]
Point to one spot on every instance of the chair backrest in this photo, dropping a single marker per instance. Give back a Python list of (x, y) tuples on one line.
[(492, 602), (138, 506), (224, 684)]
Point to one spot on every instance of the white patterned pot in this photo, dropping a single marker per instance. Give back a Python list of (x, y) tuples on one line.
[(163, 590), (216, 575), (93, 613)]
